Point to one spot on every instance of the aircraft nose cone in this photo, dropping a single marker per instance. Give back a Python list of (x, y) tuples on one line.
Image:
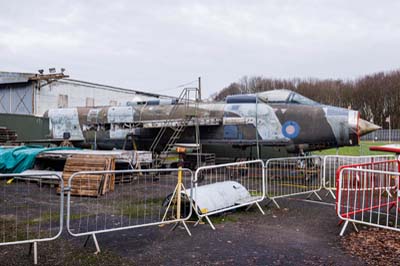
[(366, 127)]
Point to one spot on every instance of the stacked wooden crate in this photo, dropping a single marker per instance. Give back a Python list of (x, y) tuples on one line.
[(7, 135), (89, 184)]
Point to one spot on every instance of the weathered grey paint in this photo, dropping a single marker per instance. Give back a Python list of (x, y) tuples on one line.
[(226, 129), (268, 125), (65, 120)]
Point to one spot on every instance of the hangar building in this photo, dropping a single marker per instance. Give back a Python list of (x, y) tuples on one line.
[(34, 94), (25, 97)]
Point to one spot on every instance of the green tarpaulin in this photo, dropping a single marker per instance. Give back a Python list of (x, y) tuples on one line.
[(19, 159)]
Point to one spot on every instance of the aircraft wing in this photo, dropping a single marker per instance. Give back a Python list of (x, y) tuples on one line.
[(239, 142)]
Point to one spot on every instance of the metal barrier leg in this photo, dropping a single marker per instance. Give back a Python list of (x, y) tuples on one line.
[(200, 220), (169, 204), (35, 253), (273, 201), (184, 225), (248, 207), (344, 228), (210, 223), (355, 227), (175, 226), (30, 249), (314, 193), (259, 207), (87, 240), (34, 246), (187, 229), (318, 196), (327, 193), (96, 244), (332, 194)]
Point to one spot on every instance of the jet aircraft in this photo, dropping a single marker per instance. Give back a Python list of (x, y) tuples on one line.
[(269, 124)]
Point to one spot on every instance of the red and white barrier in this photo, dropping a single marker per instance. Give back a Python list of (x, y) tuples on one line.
[(369, 194)]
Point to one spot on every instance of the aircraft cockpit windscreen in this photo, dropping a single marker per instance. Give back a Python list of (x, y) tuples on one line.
[(275, 96), (286, 97), (300, 99)]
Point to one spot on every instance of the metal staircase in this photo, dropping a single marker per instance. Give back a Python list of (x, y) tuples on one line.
[(178, 126), (209, 159)]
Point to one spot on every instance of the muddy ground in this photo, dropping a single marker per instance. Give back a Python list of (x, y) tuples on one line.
[(300, 233)]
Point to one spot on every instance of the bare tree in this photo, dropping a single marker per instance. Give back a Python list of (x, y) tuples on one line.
[(376, 96)]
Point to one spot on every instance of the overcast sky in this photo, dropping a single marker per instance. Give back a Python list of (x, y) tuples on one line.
[(158, 45)]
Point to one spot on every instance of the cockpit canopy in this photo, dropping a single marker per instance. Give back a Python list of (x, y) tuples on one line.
[(286, 97)]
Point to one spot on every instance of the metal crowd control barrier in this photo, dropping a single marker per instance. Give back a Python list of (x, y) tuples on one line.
[(224, 187), (31, 209), (333, 162), (369, 194), (146, 198), (286, 177)]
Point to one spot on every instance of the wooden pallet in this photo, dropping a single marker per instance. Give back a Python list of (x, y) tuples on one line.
[(91, 184), (7, 135)]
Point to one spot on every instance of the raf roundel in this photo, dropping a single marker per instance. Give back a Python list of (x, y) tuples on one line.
[(290, 129)]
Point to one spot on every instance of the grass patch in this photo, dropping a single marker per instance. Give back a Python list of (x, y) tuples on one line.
[(256, 193), (44, 218), (361, 150), (11, 232), (140, 209), (223, 219), (25, 229), (103, 258)]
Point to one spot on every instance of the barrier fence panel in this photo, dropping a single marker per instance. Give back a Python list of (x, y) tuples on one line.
[(369, 194), (31, 211), (333, 162), (383, 135), (144, 198), (224, 187), (286, 177)]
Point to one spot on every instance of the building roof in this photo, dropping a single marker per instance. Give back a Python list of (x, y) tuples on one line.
[(14, 77), (18, 77)]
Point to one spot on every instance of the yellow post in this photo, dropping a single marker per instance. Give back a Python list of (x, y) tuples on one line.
[(179, 186)]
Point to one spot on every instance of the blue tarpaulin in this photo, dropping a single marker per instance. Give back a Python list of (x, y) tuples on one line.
[(19, 159)]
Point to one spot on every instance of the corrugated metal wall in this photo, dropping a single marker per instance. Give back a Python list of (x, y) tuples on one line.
[(16, 98), (68, 93)]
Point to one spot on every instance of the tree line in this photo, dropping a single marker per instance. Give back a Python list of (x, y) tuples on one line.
[(376, 96)]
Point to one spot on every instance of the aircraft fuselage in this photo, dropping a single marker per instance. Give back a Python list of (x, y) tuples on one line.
[(232, 129)]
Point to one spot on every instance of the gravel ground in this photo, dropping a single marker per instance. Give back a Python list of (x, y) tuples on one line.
[(301, 233)]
